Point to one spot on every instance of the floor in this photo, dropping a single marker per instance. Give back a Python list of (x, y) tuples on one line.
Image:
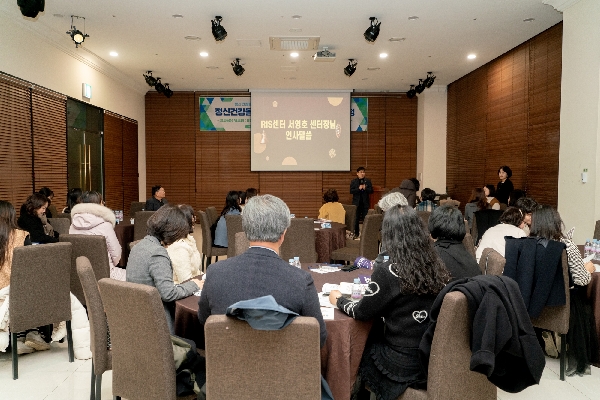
[(48, 375)]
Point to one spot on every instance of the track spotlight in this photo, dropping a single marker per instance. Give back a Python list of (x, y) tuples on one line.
[(76, 35), (372, 31), (411, 93), (351, 67), (150, 80), (168, 92), (420, 87), (218, 31), (237, 68), (31, 8), (160, 88), (429, 80)]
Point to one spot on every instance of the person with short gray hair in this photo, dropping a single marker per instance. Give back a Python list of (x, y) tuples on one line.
[(260, 271)]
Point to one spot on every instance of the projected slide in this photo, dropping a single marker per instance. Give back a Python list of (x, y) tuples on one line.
[(300, 131)]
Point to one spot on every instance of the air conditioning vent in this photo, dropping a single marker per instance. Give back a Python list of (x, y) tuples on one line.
[(297, 43)]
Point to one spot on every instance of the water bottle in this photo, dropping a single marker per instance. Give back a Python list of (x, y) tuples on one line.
[(356, 290), (291, 261), (596, 250), (587, 249), (297, 262)]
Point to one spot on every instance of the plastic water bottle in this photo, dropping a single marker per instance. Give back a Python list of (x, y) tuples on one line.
[(356, 290), (596, 250), (291, 261), (587, 249), (297, 262)]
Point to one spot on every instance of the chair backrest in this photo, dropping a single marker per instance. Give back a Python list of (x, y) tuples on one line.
[(474, 232), (289, 360), (39, 286), (60, 225), (234, 225), (491, 262), (424, 215), (241, 243), (92, 247), (142, 354), (62, 215), (212, 214), (350, 218), (300, 241), (95, 309), (140, 226), (485, 220), (449, 374), (202, 218), (469, 245), (503, 206), (369, 237), (135, 207), (597, 230), (556, 318)]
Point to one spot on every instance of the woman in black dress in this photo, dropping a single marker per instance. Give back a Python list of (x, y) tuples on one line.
[(505, 186)]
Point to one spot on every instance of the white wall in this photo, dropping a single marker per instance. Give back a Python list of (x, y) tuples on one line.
[(431, 138), (29, 56), (579, 203)]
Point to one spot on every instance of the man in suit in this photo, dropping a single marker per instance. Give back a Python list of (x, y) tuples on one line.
[(157, 200), (360, 187), (260, 271)]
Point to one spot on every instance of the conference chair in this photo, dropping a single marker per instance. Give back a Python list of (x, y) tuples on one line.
[(101, 354), (288, 361), (60, 225), (62, 215), (597, 230), (424, 215), (140, 226), (350, 218), (212, 214), (300, 241), (208, 251), (491, 262), (368, 244), (485, 219), (39, 291), (449, 373), (94, 249), (135, 207), (234, 225), (241, 243), (468, 243)]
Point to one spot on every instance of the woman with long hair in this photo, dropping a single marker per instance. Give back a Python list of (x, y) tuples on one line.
[(73, 198), (10, 238), (332, 209), (490, 193), (232, 207), (477, 202), (184, 253), (399, 296), (33, 220), (582, 343)]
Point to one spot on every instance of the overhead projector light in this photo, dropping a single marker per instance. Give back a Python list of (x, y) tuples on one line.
[(324, 55)]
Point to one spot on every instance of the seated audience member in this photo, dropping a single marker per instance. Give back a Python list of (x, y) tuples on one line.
[(250, 193), (33, 220), (332, 209), (260, 271), (410, 280), (232, 207), (11, 237), (477, 202), (392, 199), (508, 226), (409, 188), (527, 205), (447, 228), (427, 200), (514, 196), (157, 200), (490, 192), (90, 217), (149, 262), (582, 343), (51, 210), (184, 253), (505, 186), (73, 198), (242, 199)]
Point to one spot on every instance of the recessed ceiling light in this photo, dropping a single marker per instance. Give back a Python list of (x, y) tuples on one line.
[(296, 16), (383, 55), (413, 18), (177, 16), (191, 37), (529, 20), (294, 55), (397, 39), (203, 54), (471, 56), (113, 53)]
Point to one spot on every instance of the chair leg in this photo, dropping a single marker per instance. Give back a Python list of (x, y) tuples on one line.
[(93, 389), (15, 357), (70, 342), (99, 387), (563, 350), (203, 259), (208, 261)]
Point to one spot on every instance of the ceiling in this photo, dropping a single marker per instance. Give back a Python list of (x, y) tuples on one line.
[(146, 36)]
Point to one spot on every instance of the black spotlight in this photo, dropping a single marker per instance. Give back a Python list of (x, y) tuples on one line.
[(31, 8), (411, 93), (150, 80), (218, 31), (160, 88), (168, 92), (429, 80), (373, 31), (351, 67), (76, 35), (420, 87), (237, 68)]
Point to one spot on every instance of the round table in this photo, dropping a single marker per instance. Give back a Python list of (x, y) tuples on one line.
[(329, 239)]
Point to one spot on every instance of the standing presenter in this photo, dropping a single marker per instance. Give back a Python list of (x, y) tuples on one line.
[(361, 188)]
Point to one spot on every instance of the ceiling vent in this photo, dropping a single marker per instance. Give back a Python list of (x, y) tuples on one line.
[(297, 43), (324, 55)]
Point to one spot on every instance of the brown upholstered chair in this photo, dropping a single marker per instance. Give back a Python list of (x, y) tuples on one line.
[(207, 248), (241, 243), (62, 215), (39, 291), (350, 218), (369, 241), (449, 373), (491, 262), (135, 207), (101, 355), (424, 215), (142, 356), (468, 243), (131, 244), (92, 247), (60, 225), (289, 360), (234, 225), (300, 241), (140, 226), (597, 230), (212, 214), (474, 232), (503, 206)]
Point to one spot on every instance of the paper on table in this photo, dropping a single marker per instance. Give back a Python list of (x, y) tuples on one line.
[(327, 313), (328, 287), (324, 301), (588, 258)]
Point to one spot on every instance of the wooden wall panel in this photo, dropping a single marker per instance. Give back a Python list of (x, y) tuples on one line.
[(131, 188), (400, 140), (113, 162)]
